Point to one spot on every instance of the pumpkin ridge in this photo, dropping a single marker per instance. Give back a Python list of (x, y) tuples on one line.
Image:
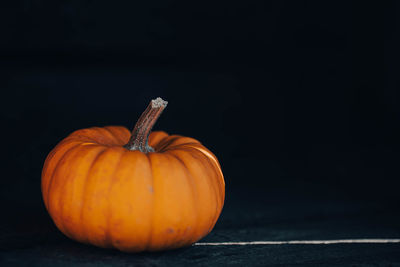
[(150, 236), (45, 182), (84, 193), (220, 178), (220, 196), (165, 145), (175, 239), (108, 238), (54, 171), (82, 138), (193, 190), (209, 182), (214, 162), (217, 166), (209, 155), (46, 172), (122, 132), (114, 135), (156, 137), (160, 143), (102, 131), (178, 146), (63, 196), (75, 185)]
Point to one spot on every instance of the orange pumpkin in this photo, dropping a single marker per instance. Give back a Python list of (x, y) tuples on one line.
[(134, 192)]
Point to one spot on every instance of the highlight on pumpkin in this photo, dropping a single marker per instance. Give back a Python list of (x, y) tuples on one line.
[(133, 191)]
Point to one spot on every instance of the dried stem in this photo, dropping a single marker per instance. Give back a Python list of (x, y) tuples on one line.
[(140, 134)]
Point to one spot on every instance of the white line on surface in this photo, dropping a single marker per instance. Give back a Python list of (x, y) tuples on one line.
[(303, 242)]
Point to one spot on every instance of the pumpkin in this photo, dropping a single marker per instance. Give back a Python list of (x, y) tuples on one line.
[(139, 191)]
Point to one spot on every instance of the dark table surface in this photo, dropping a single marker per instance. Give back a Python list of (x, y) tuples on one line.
[(28, 237)]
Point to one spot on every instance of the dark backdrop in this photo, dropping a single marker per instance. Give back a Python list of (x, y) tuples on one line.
[(298, 99)]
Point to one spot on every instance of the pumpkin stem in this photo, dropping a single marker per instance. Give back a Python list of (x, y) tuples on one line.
[(140, 134)]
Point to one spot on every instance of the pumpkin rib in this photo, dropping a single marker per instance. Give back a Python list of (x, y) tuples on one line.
[(95, 216), (47, 172), (178, 146), (183, 140), (115, 137), (97, 135), (119, 138), (166, 142), (220, 194), (126, 134), (62, 197), (110, 138), (156, 137), (174, 142), (217, 193), (82, 139), (194, 194), (184, 212), (207, 153), (45, 178), (131, 197), (84, 193), (74, 187), (83, 135), (167, 240), (210, 183), (167, 210), (198, 151), (199, 157), (216, 165), (108, 237), (120, 132), (54, 171), (51, 189), (160, 143), (150, 236)]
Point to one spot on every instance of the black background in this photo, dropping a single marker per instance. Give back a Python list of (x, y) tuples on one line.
[(298, 100)]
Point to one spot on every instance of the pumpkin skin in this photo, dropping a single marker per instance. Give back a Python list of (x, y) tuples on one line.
[(100, 193)]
